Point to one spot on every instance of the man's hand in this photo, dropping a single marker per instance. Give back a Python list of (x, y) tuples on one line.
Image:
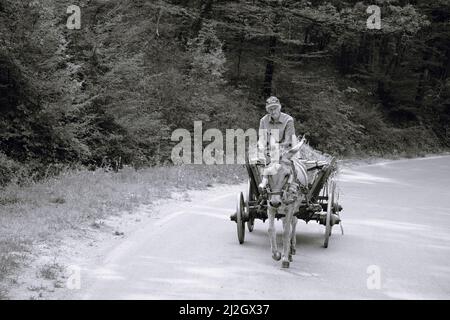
[(263, 184), (261, 158)]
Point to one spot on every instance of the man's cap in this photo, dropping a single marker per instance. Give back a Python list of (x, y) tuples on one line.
[(273, 101)]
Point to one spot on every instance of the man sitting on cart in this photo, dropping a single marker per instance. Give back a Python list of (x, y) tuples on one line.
[(277, 135), (277, 127)]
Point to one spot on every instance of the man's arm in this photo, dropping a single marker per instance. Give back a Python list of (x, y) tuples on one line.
[(289, 131)]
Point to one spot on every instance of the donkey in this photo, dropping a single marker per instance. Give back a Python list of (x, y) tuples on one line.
[(285, 182)]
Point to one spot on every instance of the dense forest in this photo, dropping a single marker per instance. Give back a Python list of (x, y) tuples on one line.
[(113, 91)]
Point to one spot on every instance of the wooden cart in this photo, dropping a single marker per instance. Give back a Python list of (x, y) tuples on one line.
[(321, 203)]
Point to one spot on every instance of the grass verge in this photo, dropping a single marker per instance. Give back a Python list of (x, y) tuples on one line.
[(37, 212)]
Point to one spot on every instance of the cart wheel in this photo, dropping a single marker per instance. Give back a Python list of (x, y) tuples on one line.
[(331, 189), (240, 218), (250, 196)]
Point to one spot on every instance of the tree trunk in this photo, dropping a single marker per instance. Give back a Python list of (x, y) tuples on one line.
[(420, 93), (205, 13), (270, 63), (238, 69), (270, 67)]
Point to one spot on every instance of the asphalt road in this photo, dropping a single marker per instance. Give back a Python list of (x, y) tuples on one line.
[(396, 245)]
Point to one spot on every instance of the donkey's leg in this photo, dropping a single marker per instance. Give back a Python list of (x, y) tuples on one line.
[(294, 235), (276, 255), (286, 239), (294, 226)]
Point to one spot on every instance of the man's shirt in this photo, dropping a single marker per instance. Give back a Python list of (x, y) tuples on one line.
[(284, 125)]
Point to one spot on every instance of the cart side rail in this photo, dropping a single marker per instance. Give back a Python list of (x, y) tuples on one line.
[(321, 179), (254, 176)]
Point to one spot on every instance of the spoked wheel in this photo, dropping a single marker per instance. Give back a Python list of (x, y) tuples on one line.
[(240, 214), (250, 197), (331, 189)]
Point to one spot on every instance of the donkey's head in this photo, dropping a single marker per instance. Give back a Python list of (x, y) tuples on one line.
[(279, 179)]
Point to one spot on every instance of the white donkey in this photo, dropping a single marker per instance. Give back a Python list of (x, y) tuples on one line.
[(284, 184)]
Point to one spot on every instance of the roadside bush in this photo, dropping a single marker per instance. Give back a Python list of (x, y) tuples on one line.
[(10, 170)]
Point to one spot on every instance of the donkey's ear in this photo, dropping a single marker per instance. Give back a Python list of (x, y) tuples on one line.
[(290, 153)]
